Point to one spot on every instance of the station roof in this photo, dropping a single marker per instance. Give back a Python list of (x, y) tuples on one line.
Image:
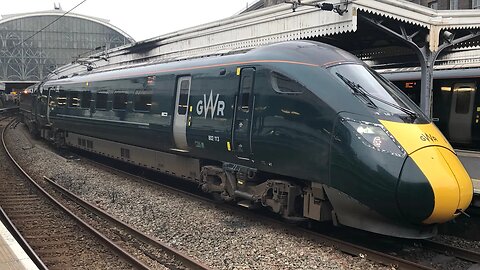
[(9, 17), (353, 31)]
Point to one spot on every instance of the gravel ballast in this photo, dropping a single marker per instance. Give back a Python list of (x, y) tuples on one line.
[(220, 239)]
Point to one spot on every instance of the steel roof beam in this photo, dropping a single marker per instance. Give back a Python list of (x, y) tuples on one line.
[(424, 52)]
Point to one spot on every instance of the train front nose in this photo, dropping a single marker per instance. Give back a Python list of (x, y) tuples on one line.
[(433, 186)]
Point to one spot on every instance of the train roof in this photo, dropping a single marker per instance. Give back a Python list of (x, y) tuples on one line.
[(307, 53), (313, 52)]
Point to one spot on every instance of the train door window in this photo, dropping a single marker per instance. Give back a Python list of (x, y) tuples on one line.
[(247, 84), (464, 94), (183, 98), (284, 85), (86, 99), (62, 98), (74, 100), (101, 100), (120, 100), (142, 101)]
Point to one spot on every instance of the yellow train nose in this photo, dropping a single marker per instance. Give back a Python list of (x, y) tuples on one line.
[(451, 184)]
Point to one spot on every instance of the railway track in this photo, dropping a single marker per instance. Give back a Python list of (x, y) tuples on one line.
[(344, 245), (35, 212), (5, 113), (457, 252), (173, 256), (381, 256)]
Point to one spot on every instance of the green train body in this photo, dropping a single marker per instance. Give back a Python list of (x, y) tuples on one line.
[(288, 126)]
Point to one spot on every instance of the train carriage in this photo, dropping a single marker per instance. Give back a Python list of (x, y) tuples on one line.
[(302, 128)]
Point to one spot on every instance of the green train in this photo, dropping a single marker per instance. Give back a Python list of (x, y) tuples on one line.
[(302, 128)]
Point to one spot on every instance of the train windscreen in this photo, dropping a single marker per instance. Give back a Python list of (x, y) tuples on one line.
[(377, 93)]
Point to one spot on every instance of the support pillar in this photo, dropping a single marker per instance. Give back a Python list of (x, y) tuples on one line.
[(427, 53)]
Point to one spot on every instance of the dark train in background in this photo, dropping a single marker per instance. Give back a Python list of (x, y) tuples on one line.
[(456, 102), (302, 128)]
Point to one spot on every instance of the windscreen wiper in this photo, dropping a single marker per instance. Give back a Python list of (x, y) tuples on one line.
[(359, 89)]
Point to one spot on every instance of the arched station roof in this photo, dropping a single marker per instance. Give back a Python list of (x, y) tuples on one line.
[(28, 56)]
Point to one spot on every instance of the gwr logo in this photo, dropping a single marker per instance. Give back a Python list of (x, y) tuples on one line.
[(428, 137), (215, 107)]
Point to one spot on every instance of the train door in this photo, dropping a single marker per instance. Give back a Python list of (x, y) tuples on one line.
[(181, 113), (49, 103), (242, 122), (461, 112), (476, 119), (40, 105)]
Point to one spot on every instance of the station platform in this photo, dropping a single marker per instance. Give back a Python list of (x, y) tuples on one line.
[(471, 162), (12, 256)]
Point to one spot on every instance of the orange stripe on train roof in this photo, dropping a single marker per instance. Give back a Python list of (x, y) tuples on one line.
[(211, 66), (243, 63)]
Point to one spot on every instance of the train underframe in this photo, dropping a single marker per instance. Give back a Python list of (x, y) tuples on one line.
[(293, 199)]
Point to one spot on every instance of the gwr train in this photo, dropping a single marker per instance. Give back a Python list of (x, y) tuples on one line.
[(303, 128), (456, 99)]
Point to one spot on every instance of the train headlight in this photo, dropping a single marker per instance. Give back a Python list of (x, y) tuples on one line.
[(376, 137)]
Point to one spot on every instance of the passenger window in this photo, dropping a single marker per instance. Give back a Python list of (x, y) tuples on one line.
[(86, 99), (101, 100), (464, 93), (74, 100), (120, 100), (183, 98), (284, 85), (142, 101), (62, 98)]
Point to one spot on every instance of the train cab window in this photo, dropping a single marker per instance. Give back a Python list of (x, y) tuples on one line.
[(142, 101), (284, 85), (183, 97), (74, 100), (120, 100), (86, 99), (101, 100), (62, 98)]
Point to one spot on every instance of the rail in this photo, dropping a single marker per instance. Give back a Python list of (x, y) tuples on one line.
[(178, 255), (11, 227), (344, 246), (132, 260)]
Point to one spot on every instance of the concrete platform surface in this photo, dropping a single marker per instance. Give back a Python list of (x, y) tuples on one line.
[(12, 256), (476, 186), (471, 162)]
